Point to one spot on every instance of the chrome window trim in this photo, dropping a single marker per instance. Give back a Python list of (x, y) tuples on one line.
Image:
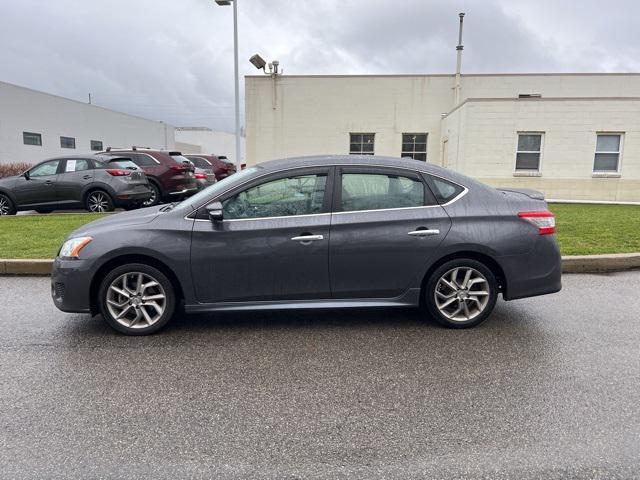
[(386, 209), (264, 218), (453, 200)]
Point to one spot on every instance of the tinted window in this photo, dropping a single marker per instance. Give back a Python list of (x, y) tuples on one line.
[(200, 162), (301, 195), (67, 142), (361, 143), (76, 165), (96, 145), (143, 160), (123, 163), (444, 190), (368, 191), (46, 168), (30, 138)]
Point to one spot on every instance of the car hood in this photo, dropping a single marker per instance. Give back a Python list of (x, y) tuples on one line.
[(117, 220), (8, 182)]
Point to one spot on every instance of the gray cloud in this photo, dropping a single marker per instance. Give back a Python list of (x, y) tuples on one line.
[(172, 60)]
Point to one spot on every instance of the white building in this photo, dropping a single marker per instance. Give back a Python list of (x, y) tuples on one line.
[(36, 125), (572, 136), (206, 141)]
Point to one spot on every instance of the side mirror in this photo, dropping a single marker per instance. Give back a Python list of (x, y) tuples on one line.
[(26, 175), (215, 211)]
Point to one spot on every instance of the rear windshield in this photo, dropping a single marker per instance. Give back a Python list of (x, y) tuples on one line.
[(179, 158), (200, 162), (126, 164)]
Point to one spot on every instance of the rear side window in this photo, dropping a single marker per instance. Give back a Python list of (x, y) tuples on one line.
[(372, 191), (444, 190), (143, 160), (76, 165)]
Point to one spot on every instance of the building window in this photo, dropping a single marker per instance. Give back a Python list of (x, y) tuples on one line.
[(414, 145), (30, 138), (361, 143), (608, 148), (67, 142), (96, 145), (529, 150)]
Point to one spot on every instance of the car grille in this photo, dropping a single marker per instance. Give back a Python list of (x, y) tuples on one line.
[(59, 290)]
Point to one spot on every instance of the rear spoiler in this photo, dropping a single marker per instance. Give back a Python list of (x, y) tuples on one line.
[(534, 194)]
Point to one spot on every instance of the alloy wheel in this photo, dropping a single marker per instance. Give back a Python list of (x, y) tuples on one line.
[(462, 294), (136, 300), (152, 199), (98, 202), (4, 206)]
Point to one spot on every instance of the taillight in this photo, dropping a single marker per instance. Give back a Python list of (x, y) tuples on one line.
[(118, 172), (200, 176), (243, 166), (545, 221)]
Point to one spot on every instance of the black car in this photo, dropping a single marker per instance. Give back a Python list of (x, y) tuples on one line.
[(73, 182)]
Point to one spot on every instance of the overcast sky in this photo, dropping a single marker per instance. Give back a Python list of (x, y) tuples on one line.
[(172, 60)]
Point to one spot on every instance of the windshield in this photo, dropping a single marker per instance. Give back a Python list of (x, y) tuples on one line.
[(222, 185)]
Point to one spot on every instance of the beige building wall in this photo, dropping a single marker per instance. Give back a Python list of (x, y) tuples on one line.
[(481, 138), (307, 115)]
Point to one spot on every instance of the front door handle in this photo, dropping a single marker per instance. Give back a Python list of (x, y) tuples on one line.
[(87, 177), (307, 238), (424, 233), (48, 182)]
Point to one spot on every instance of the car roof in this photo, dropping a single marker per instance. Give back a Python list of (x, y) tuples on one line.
[(364, 160)]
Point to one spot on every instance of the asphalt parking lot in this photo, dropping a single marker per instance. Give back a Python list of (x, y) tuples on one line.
[(547, 388)]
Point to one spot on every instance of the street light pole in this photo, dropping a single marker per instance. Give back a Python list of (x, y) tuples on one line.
[(236, 75), (237, 80)]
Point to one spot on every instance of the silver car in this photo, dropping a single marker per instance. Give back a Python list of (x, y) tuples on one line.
[(317, 232)]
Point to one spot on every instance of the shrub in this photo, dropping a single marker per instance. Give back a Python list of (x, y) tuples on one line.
[(10, 169)]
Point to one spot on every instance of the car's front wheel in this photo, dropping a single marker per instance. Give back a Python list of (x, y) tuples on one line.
[(461, 293), (6, 206), (136, 299)]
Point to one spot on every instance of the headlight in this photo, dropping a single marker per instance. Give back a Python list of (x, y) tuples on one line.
[(71, 248)]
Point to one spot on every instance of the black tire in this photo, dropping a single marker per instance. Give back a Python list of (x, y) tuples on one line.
[(156, 196), (453, 294), (99, 201), (6, 205), (165, 286)]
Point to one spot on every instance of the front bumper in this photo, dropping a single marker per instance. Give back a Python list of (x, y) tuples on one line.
[(71, 285)]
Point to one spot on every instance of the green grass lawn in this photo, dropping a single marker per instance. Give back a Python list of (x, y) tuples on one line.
[(38, 236), (582, 230), (593, 229)]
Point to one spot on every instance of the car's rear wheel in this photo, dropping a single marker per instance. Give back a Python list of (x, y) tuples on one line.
[(137, 299), (99, 201), (461, 293), (6, 206), (155, 197)]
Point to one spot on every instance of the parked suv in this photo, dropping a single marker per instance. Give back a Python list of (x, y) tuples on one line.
[(170, 175), (219, 164), (73, 182)]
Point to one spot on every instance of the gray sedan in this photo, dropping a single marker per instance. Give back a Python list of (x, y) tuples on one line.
[(315, 232)]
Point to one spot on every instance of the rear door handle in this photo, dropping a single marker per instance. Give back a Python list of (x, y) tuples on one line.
[(424, 233), (48, 182), (307, 238), (87, 177)]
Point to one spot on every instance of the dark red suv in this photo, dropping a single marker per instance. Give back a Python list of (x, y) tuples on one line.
[(170, 174), (219, 164)]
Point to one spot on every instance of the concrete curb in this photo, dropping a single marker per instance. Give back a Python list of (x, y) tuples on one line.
[(616, 262)]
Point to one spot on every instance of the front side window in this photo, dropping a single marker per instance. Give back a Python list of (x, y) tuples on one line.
[(607, 158), (373, 191), (300, 195), (96, 145), (361, 143), (30, 138), (46, 168), (414, 145), (76, 165), (528, 153), (67, 142)]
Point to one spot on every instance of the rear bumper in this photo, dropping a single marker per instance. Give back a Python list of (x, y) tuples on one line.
[(70, 285), (123, 199), (538, 272)]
